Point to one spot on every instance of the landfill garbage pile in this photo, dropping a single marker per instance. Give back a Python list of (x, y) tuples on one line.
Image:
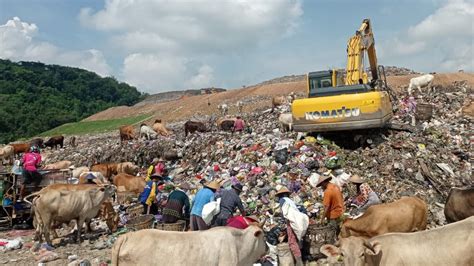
[(425, 157), (426, 162), (398, 71)]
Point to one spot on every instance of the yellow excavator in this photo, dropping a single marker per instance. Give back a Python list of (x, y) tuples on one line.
[(352, 102)]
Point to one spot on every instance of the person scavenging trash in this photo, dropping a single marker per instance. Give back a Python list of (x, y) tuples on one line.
[(31, 161), (203, 196), (297, 223), (148, 196), (332, 201), (365, 197), (230, 200), (239, 124), (177, 207), (157, 167)]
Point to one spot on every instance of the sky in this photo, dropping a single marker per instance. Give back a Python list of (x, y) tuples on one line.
[(163, 45)]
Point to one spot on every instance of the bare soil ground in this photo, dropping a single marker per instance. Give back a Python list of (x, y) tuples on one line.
[(255, 96)]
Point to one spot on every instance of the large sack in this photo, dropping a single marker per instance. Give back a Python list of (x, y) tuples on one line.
[(210, 210), (299, 221)]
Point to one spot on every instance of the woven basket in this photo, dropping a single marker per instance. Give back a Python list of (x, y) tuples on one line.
[(180, 225), (316, 237), (134, 210), (140, 222)]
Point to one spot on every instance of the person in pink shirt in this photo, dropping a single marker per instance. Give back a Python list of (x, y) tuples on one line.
[(239, 124), (31, 161)]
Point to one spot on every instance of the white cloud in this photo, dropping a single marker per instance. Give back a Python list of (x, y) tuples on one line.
[(186, 33), (159, 72), (18, 42), (203, 78), (208, 24), (443, 41)]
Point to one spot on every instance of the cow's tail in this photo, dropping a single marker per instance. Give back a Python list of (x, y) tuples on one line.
[(29, 196), (116, 249)]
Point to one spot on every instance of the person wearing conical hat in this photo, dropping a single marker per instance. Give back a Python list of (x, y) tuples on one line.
[(203, 196), (332, 201), (157, 166), (301, 221), (365, 197)]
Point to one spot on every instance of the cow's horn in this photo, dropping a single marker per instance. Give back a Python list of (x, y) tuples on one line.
[(369, 246)]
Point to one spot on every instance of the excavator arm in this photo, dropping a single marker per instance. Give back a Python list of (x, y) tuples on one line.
[(359, 44)]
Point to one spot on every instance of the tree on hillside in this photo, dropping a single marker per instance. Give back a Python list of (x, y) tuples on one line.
[(35, 97)]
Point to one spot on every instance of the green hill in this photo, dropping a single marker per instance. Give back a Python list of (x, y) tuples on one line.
[(35, 97)]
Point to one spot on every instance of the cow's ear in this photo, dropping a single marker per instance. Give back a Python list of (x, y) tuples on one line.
[(330, 250), (258, 233), (373, 255)]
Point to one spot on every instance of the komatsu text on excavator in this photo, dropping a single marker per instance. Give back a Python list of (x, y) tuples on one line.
[(336, 103)]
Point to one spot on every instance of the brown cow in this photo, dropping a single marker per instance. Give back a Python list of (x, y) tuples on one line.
[(127, 167), (106, 169), (54, 142), (109, 215), (459, 205), (58, 165), (37, 142), (226, 124), (160, 128), (408, 214), (193, 126), (129, 183), (127, 132), (20, 147)]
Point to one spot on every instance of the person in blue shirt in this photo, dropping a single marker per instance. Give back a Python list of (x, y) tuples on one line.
[(203, 196)]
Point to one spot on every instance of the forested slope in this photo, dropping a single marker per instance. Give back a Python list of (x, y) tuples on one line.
[(35, 97)]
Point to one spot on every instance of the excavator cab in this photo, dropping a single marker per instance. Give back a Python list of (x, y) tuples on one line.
[(327, 83)]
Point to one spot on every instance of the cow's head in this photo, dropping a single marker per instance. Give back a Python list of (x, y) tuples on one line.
[(353, 251)]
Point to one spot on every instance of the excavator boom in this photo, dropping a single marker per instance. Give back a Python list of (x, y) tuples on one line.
[(357, 46)]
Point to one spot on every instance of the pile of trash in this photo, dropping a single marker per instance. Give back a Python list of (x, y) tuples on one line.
[(426, 160)]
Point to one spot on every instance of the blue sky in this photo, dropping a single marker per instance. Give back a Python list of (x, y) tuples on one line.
[(170, 45)]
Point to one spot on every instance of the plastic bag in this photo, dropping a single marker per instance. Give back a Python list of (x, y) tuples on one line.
[(210, 210), (281, 156)]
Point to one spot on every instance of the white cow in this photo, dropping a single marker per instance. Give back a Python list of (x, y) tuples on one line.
[(64, 206), (147, 132), (286, 121), (223, 108), (76, 172), (420, 82), (217, 246), (451, 244), (7, 153)]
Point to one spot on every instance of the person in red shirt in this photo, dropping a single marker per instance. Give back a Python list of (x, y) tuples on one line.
[(31, 161), (239, 124)]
